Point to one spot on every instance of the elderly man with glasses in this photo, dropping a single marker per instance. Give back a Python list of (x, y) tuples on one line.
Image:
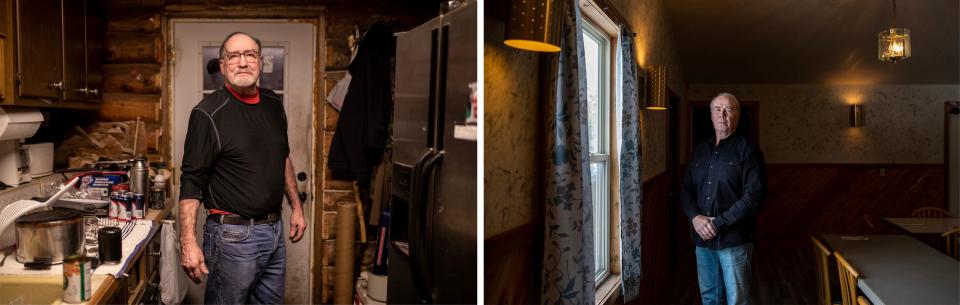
[(235, 162), (724, 187)]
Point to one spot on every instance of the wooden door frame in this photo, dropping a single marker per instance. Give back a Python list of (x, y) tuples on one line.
[(946, 150), (313, 14), (754, 121)]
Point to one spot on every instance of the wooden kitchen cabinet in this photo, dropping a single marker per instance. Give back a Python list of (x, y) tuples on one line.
[(56, 51), (82, 51), (38, 35)]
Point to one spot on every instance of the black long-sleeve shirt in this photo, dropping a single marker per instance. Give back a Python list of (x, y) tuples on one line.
[(235, 154), (727, 181)]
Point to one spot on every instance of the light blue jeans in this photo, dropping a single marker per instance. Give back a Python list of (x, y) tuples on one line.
[(246, 263), (727, 268)]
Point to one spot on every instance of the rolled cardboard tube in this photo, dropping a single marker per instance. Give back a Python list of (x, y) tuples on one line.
[(343, 257)]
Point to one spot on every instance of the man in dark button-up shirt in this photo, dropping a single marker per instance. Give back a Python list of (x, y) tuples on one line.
[(723, 188)]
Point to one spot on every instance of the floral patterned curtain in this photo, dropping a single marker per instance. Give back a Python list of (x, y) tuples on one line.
[(631, 190), (568, 270)]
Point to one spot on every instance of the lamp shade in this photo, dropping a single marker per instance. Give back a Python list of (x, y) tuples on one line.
[(534, 25), (856, 115), (657, 88), (893, 44)]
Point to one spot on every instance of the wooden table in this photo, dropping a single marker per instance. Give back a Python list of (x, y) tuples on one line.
[(924, 225), (899, 269)]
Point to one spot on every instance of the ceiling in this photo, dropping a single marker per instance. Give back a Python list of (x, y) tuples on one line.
[(813, 41)]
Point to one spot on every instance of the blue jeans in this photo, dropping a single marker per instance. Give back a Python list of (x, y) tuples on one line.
[(735, 279), (246, 263)]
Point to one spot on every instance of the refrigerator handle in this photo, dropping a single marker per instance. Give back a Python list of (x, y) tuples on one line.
[(425, 207), (415, 224)]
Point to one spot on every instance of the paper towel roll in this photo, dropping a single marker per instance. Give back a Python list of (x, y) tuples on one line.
[(343, 248), (19, 123)]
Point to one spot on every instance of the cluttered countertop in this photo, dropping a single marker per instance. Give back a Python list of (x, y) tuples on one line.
[(103, 283), (30, 275)]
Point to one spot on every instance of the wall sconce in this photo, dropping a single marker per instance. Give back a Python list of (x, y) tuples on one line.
[(534, 25), (856, 115), (657, 88)]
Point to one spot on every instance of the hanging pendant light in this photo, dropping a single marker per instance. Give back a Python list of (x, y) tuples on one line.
[(894, 43), (534, 25)]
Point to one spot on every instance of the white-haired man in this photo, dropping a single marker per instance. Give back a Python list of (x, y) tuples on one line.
[(723, 188)]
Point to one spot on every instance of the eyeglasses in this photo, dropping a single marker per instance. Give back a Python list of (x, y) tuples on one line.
[(234, 57)]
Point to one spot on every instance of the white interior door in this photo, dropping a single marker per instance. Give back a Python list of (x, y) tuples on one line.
[(288, 50)]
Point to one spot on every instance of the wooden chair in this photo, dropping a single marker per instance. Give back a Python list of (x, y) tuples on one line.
[(953, 245), (863, 301), (930, 212), (822, 254), (848, 280)]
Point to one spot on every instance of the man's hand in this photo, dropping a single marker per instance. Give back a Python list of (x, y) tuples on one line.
[(704, 227), (297, 223), (191, 258)]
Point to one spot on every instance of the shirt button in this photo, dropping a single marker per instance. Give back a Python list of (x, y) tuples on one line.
[(709, 182), (708, 197), (716, 152)]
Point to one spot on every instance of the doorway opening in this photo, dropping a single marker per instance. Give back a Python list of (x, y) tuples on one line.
[(289, 61)]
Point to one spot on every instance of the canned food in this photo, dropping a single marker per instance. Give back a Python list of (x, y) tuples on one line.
[(138, 206), (77, 275)]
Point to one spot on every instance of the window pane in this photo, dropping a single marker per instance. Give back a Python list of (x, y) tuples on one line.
[(212, 78), (591, 48), (601, 217), (596, 46), (271, 76)]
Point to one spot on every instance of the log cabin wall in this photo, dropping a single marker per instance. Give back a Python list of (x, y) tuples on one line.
[(134, 75)]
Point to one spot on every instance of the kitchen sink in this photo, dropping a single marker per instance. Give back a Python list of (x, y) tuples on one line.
[(22, 289)]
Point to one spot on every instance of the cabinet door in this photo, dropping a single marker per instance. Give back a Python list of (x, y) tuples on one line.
[(94, 50), (74, 59), (40, 61)]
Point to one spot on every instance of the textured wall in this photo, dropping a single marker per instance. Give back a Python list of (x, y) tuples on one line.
[(654, 46), (810, 123), (511, 87)]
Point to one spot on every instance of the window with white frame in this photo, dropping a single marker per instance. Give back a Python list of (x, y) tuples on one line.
[(596, 46)]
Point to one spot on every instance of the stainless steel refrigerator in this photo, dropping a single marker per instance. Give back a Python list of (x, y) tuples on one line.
[(433, 251)]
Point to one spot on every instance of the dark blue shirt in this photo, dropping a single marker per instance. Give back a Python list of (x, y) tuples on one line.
[(727, 181)]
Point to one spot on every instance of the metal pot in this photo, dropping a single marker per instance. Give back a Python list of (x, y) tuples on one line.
[(55, 234)]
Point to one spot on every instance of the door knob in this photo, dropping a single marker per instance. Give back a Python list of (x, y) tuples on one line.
[(57, 85), (302, 176)]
